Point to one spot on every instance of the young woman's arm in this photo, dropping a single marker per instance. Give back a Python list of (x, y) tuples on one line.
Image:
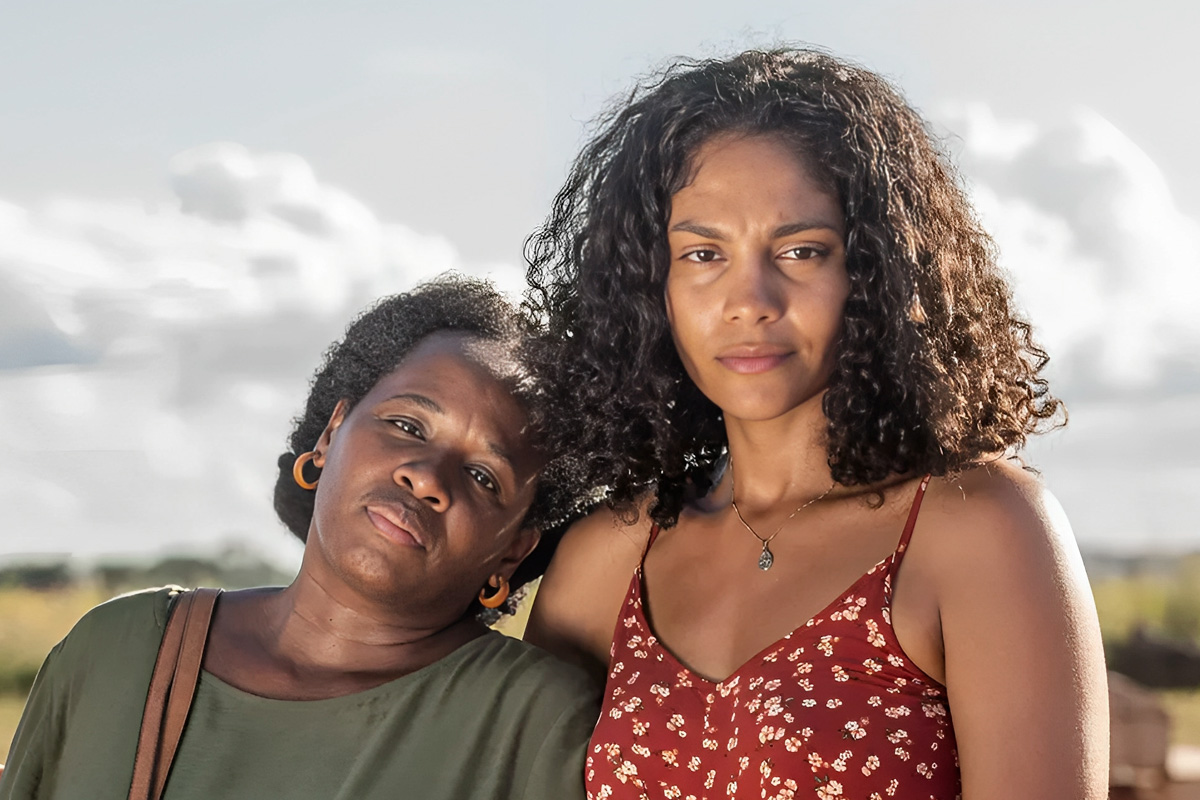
[(1024, 662), (580, 596)]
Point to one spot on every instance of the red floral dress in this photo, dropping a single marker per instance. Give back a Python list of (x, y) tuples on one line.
[(833, 710)]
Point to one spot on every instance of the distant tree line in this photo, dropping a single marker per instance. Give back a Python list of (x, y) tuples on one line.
[(233, 568), (40, 599)]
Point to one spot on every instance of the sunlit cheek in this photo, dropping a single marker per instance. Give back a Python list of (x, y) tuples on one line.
[(507, 528)]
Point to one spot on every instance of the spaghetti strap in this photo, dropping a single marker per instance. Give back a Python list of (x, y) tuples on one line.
[(898, 556), (650, 540)]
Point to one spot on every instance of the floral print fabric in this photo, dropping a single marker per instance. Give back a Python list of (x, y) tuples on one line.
[(833, 711)]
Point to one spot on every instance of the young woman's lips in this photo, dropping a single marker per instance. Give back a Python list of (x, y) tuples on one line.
[(394, 524), (751, 361)]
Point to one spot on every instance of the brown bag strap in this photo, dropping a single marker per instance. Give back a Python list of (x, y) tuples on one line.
[(172, 686)]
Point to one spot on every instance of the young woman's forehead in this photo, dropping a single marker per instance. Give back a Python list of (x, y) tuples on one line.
[(744, 175)]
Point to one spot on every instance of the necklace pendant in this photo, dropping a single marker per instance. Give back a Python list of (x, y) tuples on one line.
[(766, 559)]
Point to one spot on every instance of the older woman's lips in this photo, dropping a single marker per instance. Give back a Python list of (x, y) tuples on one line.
[(393, 526), (752, 361)]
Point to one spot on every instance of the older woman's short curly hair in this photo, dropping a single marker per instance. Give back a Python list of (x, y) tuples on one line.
[(934, 372), (378, 341)]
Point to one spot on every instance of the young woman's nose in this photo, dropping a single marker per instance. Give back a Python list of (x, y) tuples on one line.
[(752, 291), (426, 479)]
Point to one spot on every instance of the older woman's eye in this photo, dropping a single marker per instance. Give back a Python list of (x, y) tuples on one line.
[(485, 480)]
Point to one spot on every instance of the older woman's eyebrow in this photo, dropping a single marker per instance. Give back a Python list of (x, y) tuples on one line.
[(428, 403), (497, 450)]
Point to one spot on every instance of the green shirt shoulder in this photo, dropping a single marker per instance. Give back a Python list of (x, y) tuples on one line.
[(94, 679)]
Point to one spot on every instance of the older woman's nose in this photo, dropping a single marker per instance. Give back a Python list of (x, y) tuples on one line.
[(426, 479)]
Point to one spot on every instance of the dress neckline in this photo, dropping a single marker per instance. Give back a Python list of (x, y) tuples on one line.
[(639, 610), (891, 560)]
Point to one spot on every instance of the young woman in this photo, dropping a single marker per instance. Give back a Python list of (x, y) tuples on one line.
[(369, 676), (795, 353)]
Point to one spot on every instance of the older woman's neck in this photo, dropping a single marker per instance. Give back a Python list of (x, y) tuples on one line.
[(313, 640), (314, 607)]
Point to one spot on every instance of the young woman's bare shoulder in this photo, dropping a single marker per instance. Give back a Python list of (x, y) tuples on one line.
[(580, 596), (999, 551), (998, 506), (1019, 634), (609, 534)]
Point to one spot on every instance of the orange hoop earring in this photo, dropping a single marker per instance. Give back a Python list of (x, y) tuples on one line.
[(501, 594), (298, 470)]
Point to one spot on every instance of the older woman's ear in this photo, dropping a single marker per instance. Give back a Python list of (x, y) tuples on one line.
[(335, 421), (524, 543)]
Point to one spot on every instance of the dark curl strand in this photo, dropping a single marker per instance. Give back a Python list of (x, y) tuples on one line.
[(934, 372), (377, 342)]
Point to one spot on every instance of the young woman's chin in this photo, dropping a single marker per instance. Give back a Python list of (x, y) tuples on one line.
[(764, 400), (768, 409)]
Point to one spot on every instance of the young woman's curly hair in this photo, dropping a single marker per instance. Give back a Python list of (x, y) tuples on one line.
[(934, 372)]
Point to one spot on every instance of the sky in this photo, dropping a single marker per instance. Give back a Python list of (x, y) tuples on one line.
[(195, 198)]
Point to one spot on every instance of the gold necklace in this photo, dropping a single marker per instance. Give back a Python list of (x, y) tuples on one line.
[(767, 558)]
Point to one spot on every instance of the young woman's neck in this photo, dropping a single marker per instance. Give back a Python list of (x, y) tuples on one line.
[(782, 460)]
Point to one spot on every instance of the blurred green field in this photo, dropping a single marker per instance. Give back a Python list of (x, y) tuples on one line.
[(31, 622), (1161, 598), (1184, 707)]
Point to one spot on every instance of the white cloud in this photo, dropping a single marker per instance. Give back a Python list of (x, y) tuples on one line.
[(151, 358), (1104, 262)]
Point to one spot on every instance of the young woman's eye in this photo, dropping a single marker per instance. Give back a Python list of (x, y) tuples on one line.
[(409, 427), (701, 256), (803, 252), (485, 480)]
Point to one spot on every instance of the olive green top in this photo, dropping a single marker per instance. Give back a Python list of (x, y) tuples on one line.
[(497, 718)]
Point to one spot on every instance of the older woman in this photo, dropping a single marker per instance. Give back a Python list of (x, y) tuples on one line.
[(369, 676), (793, 348)]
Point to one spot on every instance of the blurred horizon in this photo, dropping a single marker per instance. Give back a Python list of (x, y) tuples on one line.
[(195, 201)]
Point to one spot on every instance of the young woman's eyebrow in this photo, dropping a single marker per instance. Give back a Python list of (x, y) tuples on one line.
[(793, 228), (790, 229), (687, 226)]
